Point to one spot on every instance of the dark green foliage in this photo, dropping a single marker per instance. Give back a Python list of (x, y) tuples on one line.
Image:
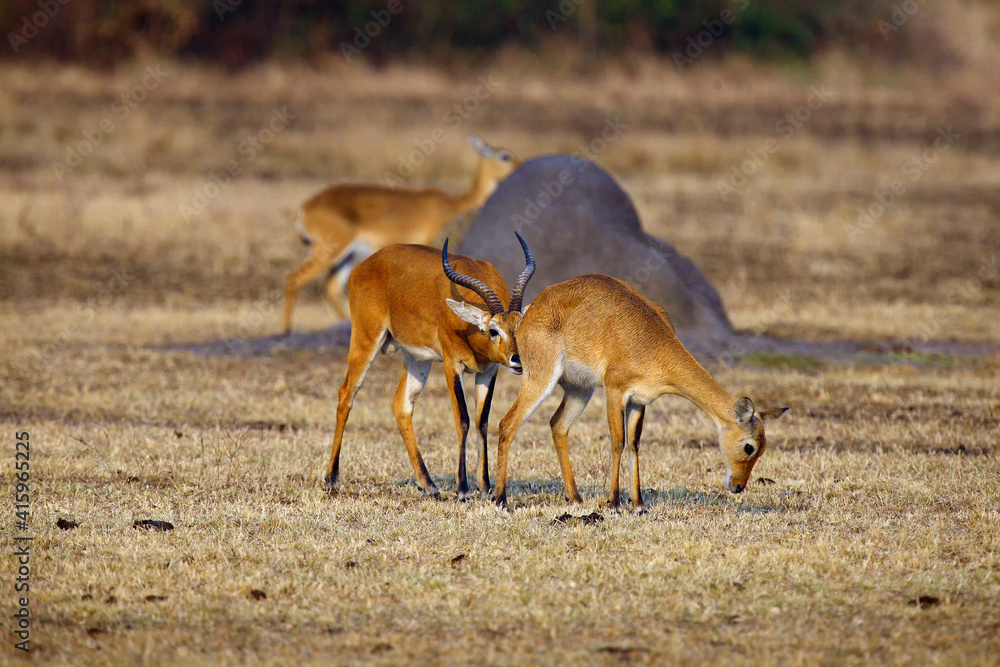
[(237, 32)]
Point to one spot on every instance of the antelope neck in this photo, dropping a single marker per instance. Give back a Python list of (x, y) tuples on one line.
[(477, 193), (690, 380)]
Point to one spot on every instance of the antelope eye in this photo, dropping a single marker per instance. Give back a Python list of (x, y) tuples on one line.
[(749, 449), (494, 333), (505, 157)]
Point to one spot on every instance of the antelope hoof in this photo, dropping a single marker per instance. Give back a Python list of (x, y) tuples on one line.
[(466, 495), (432, 492), (640, 510), (331, 485), (485, 493)]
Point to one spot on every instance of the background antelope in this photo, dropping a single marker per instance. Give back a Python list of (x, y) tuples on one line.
[(595, 330), (346, 223), (400, 299)]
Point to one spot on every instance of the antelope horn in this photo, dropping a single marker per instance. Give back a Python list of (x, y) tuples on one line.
[(522, 280), (478, 286)]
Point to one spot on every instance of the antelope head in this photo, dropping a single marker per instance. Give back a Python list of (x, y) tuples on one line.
[(496, 163), (497, 324), (743, 443)]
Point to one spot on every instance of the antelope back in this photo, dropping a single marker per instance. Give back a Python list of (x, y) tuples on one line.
[(596, 322)]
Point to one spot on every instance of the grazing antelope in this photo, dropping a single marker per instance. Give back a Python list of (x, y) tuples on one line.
[(400, 299), (595, 330), (346, 223)]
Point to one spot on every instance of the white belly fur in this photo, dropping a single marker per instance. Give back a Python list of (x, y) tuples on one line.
[(580, 376), (420, 353)]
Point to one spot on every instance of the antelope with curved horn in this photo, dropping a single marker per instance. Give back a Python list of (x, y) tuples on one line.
[(346, 223), (595, 330), (401, 299)]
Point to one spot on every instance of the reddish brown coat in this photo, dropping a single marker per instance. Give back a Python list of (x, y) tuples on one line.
[(596, 331), (401, 298), (346, 223)]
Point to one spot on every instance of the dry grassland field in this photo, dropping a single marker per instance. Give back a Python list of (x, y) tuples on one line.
[(869, 533)]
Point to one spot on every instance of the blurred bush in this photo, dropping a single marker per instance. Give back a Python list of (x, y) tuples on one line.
[(238, 32)]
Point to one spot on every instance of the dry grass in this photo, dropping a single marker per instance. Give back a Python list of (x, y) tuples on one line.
[(802, 275), (885, 491), (885, 476)]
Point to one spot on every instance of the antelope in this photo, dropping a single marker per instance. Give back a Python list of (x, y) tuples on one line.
[(400, 299), (595, 330), (346, 223)]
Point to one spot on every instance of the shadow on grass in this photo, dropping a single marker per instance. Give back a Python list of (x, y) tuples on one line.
[(550, 493), (683, 496), (547, 492), (757, 350), (687, 497), (335, 339), (815, 356)]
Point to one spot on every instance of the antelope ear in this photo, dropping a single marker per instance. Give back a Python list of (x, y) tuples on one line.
[(467, 313), (479, 145), (744, 410), (771, 414)]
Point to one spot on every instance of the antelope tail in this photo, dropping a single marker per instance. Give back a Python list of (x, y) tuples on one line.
[(301, 227)]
